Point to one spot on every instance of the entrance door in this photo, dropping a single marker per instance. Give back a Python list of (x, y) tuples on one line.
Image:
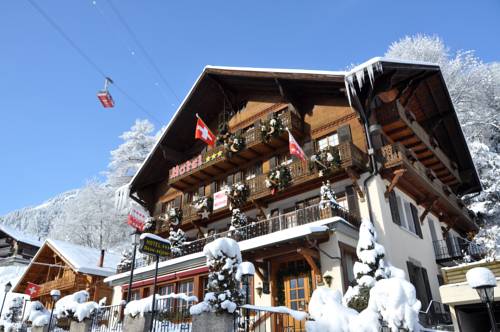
[(297, 295)]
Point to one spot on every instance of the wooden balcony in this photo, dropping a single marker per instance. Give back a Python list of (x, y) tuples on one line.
[(400, 126), (66, 282), (304, 177), (216, 161), (402, 168)]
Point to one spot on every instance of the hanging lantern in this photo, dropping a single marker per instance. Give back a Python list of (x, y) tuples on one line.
[(104, 95)]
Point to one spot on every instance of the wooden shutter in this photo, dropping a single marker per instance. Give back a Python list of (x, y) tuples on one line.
[(428, 292), (201, 190), (177, 201), (230, 180), (213, 187), (393, 205), (344, 133), (352, 201), (272, 162), (414, 213)]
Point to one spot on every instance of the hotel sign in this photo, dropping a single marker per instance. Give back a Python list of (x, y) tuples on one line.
[(154, 245), (194, 163), (220, 200)]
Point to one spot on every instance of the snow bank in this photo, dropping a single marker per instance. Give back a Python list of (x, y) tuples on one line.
[(298, 315), (480, 276), (154, 237), (395, 300), (328, 313), (38, 316), (142, 306), (75, 306)]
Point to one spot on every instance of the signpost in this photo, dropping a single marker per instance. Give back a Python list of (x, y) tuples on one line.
[(154, 245)]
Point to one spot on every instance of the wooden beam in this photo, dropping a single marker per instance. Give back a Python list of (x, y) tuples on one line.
[(397, 175), (309, 252), (354, 176), (428, 207)]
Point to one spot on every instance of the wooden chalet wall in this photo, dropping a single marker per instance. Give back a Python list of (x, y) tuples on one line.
[(10, 247)]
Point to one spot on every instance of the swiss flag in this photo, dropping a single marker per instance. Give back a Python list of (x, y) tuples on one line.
[(295, 148), (32, 290), (203, 132)]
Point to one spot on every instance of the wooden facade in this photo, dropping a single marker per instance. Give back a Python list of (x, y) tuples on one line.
[(429, 163), (15, 247), (51, 268)]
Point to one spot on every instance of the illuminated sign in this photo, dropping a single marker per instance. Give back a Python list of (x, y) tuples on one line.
[(154, 245)]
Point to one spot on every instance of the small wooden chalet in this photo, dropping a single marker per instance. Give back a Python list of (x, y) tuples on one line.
[(16, 247), (69, 268)]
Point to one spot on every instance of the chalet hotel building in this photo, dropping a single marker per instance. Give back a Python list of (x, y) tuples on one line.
[(386, 137)]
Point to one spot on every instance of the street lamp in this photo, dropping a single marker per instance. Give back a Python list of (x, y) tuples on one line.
[(56, 295), (246, 270), (8, 287), (484, 282), (136, 237), (328, 279)]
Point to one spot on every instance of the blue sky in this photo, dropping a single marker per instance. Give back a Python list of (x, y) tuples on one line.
[(54, 135)]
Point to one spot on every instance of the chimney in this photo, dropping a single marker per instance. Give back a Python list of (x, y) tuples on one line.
[(101, 258)]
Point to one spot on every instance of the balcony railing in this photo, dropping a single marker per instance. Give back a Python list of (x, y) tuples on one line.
[(268, 226), (214, 161), (66, 282), (350, 157), (454, 249)]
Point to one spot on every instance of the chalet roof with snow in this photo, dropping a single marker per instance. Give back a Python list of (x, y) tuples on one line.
[(19, 236), (219, 87)]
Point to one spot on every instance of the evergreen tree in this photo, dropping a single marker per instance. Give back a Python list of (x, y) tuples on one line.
[(369, 268), (177, 239), (128, 157), (238, 220), (327, 195)]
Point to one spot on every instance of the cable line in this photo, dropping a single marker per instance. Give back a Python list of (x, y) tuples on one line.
[(139, 44), (87, 58)]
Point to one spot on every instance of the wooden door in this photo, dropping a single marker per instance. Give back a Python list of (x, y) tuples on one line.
[(297, 295)]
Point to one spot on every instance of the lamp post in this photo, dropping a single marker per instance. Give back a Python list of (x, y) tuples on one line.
[(136, 236), (8, 287), (484, 282), (247, 270), (328, 279), (56, 295)]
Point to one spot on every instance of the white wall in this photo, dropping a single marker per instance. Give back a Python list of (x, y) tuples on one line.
[(400, 244)]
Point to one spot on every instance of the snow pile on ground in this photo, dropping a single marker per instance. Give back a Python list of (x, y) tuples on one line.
[(329, 315), (224, 294), (38, 316), (142, 306), (480, 276), (75, 306)]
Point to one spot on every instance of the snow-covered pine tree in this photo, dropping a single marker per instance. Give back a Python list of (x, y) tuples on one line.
[(369, 268), (128, 157), (125, 261), (177, 239), (327, 196), (238, 220), (474, 88), (224, 294)]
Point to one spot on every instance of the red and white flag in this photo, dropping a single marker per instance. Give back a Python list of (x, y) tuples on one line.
[(295, 148), (32, 290), (136, 219), (203, 132)]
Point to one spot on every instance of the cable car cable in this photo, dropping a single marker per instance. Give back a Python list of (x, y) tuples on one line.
[(87, 58), (139, 44)]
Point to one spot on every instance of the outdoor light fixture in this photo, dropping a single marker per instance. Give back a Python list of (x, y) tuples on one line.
[(136, 238), (246, 270), (328, 279), (55, 295), (484, 282), (8, 287), (259, 289)]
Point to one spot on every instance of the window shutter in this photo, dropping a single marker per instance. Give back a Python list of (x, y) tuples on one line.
[(237, 177), (427, 287), (393, 205), (352, 201), (213, 187), (201, 190), (308, 148), (414, 213), (272, 162), (411, 273), (230, 180), (344, 133), (177, 202)]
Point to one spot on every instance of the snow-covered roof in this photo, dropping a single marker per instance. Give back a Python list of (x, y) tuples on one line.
[(84, 259), (20, 236), (316, 227)]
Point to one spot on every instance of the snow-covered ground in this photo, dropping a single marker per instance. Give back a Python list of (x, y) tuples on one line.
[(10, 274)]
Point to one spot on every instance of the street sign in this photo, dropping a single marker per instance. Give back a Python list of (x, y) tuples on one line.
[(151, 244)]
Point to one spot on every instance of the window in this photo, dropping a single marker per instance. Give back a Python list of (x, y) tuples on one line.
[(284, 159), (330, 140), (164, 290), (166, 206), (418, 277), (186, 287), (404, 213), (349, 257), (253, 171)]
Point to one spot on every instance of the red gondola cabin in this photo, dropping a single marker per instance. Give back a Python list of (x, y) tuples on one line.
[(105, 99)]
